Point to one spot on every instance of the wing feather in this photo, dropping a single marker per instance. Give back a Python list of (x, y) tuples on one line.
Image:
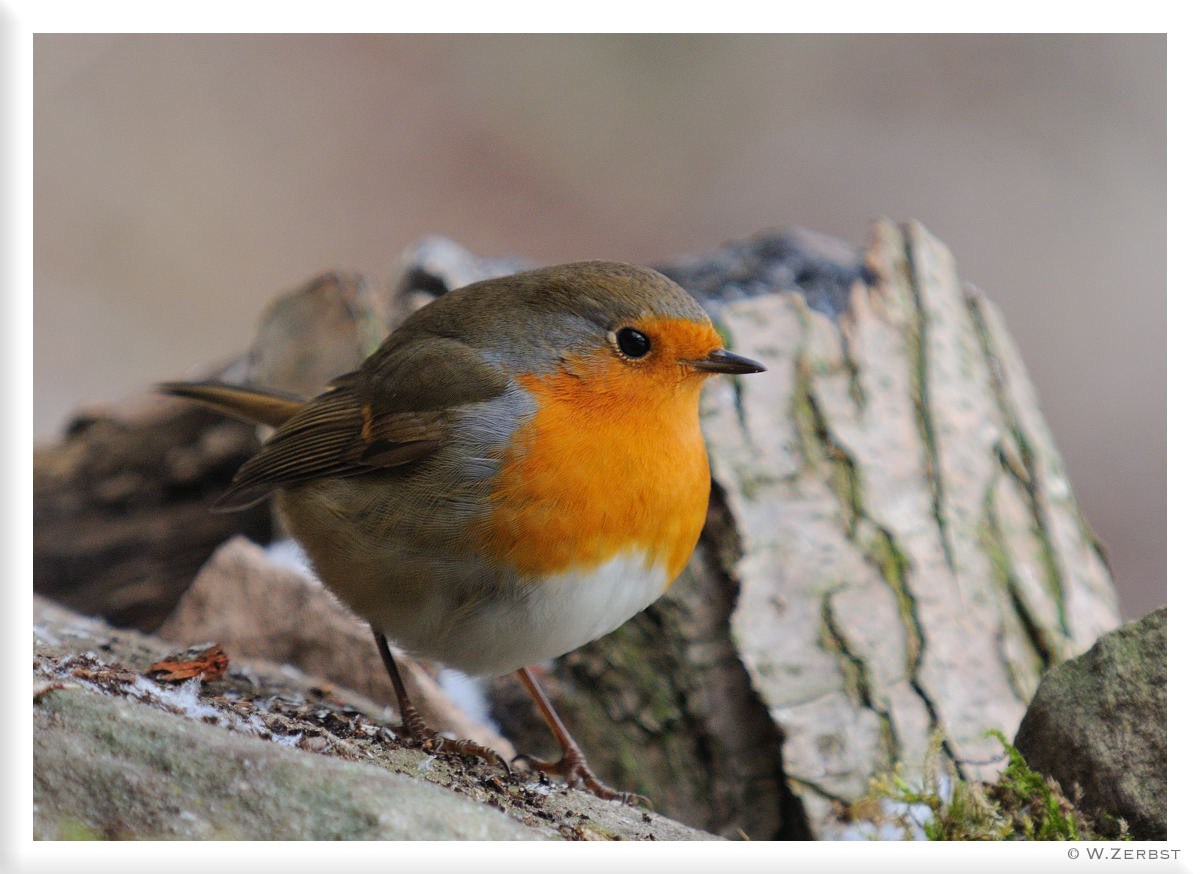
[(398, 408)]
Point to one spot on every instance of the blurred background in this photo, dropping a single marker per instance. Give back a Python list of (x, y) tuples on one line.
[(182, 181)]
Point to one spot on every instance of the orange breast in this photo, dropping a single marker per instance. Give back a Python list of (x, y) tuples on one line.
[(613, 460)]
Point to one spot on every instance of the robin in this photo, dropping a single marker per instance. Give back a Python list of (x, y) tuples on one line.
[(516, 471)]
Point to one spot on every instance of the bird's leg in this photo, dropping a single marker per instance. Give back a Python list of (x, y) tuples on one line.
[(573, 766), (428, 739)]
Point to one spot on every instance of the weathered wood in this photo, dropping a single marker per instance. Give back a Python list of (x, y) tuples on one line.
[(122, 506)]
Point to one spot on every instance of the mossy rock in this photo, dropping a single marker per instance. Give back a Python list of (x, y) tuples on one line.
[(1099, 722)]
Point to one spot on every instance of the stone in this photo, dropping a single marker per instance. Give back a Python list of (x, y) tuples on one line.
[(265, 752), (1099, 722), (112, 769), (258, 605)]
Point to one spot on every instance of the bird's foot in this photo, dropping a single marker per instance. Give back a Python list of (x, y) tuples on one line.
[(422, 736), (574, 770), (435, 744)]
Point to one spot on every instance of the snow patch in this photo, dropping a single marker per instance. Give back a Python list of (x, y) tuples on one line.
[(467, 692), (291, 555)]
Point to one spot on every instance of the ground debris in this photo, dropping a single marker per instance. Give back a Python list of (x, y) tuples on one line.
[(280, 705)]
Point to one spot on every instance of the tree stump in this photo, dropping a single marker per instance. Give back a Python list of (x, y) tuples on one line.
[(892, 559), (122, 514), (893, 556)]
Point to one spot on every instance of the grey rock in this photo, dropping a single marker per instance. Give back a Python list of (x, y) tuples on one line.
[(1099, 722), (265, 752), (110, 768)]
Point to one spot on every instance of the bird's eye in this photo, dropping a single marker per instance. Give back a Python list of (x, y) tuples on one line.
[(633, 344)]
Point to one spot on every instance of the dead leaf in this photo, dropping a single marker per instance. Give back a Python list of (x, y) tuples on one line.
[(206, 661)]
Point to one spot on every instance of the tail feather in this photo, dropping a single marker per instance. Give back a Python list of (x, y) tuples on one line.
[(256, 405)]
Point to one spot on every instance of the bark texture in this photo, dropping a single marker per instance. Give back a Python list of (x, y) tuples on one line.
[(122, 505), (121, 508), (912, 556)]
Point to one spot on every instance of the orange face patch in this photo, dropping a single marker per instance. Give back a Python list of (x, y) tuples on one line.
[(613, 460)]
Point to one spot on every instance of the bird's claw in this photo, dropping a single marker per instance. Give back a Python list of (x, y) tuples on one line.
[(438, 745), (574, 770)]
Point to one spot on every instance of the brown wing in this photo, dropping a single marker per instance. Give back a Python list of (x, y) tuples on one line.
[(397, 408)]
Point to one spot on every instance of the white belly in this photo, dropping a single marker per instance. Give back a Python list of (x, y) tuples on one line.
[(549, 618)]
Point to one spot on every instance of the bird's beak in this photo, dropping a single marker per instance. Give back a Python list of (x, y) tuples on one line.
[(724, 361)]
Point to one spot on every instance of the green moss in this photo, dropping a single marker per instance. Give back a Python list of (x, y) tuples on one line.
[(991, 538), (893, 565), (806, 417), (857, 394), (72, 829), (819, 447), (918, 340), (1021, 805), (857, 679), (1023, 468)]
